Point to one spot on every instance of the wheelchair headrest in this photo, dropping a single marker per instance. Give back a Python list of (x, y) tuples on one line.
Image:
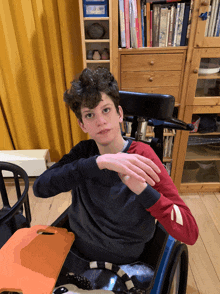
[(157, 106)]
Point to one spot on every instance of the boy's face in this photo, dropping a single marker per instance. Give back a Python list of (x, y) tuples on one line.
[(102, 122)]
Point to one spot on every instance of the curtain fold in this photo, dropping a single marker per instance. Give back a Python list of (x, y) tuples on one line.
[(40, 54)]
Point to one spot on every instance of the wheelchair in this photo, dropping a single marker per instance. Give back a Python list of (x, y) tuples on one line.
[(165, 256)]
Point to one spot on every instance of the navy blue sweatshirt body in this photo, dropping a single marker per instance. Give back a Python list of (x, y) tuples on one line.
[(107, 218)]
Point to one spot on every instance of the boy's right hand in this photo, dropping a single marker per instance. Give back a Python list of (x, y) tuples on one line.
[(134, 165)]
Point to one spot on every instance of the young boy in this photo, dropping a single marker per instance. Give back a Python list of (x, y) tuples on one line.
[(119, 186)]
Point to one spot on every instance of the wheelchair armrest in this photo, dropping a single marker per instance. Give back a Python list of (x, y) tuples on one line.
[(172, 123)]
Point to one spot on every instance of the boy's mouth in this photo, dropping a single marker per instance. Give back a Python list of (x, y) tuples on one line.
[(104, 131)]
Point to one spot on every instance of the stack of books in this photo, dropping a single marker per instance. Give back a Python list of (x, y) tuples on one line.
[(154, 24), (213, 19)]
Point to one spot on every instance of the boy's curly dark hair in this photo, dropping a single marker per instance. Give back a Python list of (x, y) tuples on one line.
[(86, 91)]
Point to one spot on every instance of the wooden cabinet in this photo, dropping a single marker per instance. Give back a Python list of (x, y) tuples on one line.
[(199, 153), (152, 70)]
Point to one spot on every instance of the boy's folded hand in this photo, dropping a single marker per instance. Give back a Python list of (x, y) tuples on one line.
[(134, 165)]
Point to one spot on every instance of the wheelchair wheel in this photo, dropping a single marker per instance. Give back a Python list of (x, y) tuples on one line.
[(177, 272)]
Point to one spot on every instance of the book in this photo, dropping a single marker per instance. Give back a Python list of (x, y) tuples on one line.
[(185, 24), (132, 25), (217, 21), (122, 23), (218, 24), (148, 23), (180, 24), (142, 23), (151, 28), (127, 27), (139, 23), (176, 24), (207, 21), (212, 18), (189, 21), (137, 33), (171, 25), (163, 26), (168, 26), (156, 24)]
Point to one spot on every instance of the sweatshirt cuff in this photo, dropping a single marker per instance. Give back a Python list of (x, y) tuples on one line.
[(89, 167), (148, 197)]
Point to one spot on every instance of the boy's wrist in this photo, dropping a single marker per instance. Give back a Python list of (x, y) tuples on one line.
[(100, 162)]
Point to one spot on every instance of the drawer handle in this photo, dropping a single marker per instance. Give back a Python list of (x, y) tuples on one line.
[(151, 79), (205, 3), (152, 62), (195, 70)]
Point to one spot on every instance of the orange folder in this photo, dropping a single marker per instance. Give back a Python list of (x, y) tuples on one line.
[(31, 260)]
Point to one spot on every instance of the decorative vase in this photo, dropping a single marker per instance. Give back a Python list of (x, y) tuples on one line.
[(96, 55)]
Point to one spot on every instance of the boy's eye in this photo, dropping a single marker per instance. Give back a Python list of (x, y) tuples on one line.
[(89, 115), (106, 110)]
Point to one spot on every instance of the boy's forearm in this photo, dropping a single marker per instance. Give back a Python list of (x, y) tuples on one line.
[(100, 160)]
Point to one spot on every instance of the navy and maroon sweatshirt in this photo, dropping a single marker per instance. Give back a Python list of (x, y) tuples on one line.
[(110, 222)]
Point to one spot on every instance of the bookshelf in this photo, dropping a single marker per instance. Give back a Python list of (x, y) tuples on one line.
[(105, 44), (168, 69)]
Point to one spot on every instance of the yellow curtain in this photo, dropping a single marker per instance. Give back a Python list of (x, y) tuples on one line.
[(40, 54)]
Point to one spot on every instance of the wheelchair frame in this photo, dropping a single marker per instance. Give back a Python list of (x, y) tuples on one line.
[(171, 263)]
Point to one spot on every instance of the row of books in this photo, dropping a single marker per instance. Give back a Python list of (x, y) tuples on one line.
[(213, 19), (168, 138), (145, 24)]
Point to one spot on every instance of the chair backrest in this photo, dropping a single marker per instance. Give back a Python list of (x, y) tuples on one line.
[(8, 212), (146, 105), (157, 110)]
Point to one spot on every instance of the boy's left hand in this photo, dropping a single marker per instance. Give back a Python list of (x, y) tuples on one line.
[(134, 185)]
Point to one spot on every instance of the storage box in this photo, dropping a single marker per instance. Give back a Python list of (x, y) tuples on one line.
[(95, 8)]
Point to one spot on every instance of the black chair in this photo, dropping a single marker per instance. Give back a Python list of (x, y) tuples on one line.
[(166, 256), (156, 110), (11, 217)]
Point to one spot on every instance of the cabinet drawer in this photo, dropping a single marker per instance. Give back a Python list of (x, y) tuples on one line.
[(150, 79), (151, 62), (174, 91)]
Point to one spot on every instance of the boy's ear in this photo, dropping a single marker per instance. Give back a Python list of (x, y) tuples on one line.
[(120, 114), (82, 126)]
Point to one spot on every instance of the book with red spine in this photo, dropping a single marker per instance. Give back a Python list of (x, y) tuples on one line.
[(139, 22), (127, 26)]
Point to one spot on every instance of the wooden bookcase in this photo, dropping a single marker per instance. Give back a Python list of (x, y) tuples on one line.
[(167, 70)]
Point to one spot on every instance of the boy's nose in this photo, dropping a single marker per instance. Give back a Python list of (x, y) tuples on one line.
[(100, 120)]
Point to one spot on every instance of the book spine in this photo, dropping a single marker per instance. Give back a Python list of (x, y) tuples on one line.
[(176, 24), (208, 21), (217, 20), (151, 28), (122, 23), (136, 23), (127, 27), (139, 22), (180, 24), (218, 25), (142, 24), (163, 26), (168, 25), (148, 23), (212, 18), (156, 24), (171, 26), (185, 22)]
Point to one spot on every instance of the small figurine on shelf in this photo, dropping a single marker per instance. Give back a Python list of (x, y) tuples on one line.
[(89, 54), (105, 54), (96, 55)]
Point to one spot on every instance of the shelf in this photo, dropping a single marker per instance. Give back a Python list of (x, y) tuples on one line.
[(215, 76), (194, 154), (97, 41), (204, 134), (96, 18), (97, 61)]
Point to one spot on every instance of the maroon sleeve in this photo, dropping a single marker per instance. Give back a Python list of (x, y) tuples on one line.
[(169, 209)]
